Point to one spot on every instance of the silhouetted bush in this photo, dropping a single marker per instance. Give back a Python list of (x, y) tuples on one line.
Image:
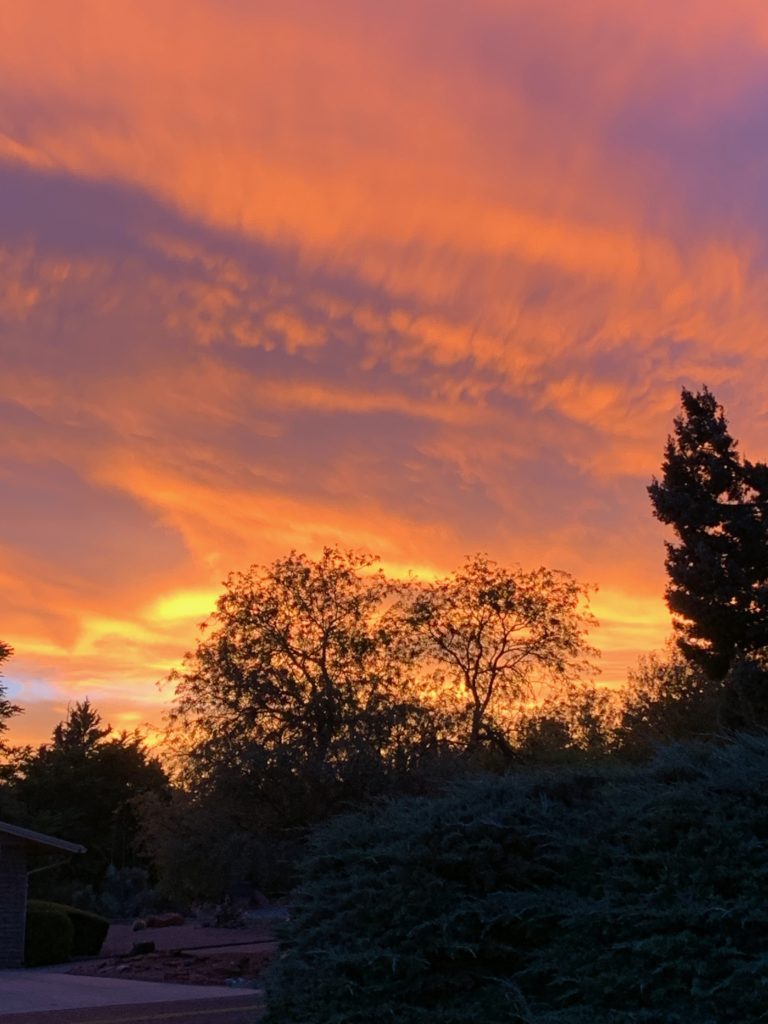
[(618, 895), (123, 893), (668, 700), (88, 930), (49, 935)]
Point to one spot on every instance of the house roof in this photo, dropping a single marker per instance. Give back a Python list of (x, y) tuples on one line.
[(38, 838)]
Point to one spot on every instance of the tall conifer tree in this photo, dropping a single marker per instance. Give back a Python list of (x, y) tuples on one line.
[(716, 504), (7, 709)]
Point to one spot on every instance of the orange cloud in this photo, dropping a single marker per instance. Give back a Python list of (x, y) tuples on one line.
[(424, 279)]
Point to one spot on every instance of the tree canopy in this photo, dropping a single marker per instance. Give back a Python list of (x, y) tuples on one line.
[(303, 671), (320, 677), (493, 633)]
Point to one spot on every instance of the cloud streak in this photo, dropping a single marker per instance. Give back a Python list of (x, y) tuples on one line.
[(425, 280)]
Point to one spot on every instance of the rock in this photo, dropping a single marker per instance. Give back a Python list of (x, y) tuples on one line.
[(164, 920), (245, 895), (140, 948), (139, 924)]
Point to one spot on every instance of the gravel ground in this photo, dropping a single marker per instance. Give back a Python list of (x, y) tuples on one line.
[(186, 954), (121, 938)]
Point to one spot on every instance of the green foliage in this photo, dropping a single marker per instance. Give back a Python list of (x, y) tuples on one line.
[(625, 895), (49, 935), (88, 930), (717, 505)]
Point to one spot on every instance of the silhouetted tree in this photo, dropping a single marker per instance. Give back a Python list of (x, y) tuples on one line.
[(578, 720), (668, 699), (82, 786), (10, 757), (717, 505), (300, 689), (7, 709), (81, 731), (500, 637), (319, 683)]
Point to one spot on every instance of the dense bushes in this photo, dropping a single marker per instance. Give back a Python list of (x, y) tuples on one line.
[(88, 930), (612, 896), (124, 893), (49, 935)]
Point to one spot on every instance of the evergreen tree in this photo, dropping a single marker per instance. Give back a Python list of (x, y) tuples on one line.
[(81, 731), (716, 504), (7, 709), (83, 785)]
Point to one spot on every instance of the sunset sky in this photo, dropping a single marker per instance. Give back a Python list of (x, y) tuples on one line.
[(423, 277)]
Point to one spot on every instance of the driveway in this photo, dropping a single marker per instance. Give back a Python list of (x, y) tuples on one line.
[(237, 1010), (51, 994), (42, 995)]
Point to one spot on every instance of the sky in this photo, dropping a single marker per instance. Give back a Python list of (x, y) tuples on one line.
[(421, 277)]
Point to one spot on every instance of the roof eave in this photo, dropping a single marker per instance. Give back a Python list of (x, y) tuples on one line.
[(39, 839)]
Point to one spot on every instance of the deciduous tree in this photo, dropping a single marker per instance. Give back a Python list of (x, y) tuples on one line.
[(300, 685), (500, 636)]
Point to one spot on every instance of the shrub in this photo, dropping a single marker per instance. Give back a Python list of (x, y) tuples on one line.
[(124, 893), (88, 930), (49, 935), (625, 895)]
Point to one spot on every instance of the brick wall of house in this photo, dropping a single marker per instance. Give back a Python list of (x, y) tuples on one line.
[(13, 900)]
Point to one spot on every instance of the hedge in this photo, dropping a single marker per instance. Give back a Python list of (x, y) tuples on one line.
[(48, 937), (89, 930), (621, 895)]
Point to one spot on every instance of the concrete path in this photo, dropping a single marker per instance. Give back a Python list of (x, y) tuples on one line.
[(33, 991), (238, 1009)]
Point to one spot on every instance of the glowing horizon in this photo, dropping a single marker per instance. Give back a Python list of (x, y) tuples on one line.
[(420, 278)]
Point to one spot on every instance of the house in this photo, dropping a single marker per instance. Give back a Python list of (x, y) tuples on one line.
[(17, 847)]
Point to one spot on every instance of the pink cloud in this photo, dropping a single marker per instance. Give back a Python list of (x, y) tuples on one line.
[(425, 279)]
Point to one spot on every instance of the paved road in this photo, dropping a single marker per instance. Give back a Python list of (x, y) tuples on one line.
[(245, 1009)]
